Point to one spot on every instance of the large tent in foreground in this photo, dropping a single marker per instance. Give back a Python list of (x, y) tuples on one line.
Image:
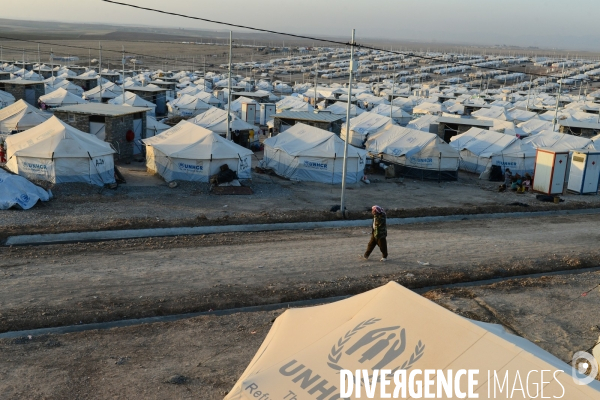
[(307, 153), (421, 155), (189, 152), (394, 328), (58, 153)]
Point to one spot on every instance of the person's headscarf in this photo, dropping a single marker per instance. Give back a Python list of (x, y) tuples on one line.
[(377, 210)]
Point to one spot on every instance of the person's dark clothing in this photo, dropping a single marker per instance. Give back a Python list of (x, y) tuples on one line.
[(378, 236)]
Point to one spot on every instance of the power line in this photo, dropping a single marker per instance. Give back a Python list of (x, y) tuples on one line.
[(317, 39)]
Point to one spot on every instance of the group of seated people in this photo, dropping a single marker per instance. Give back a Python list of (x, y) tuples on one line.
[(516, 183)]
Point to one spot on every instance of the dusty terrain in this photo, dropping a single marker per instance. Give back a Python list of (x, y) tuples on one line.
[(93, 282), (147, 201), (201, 358)]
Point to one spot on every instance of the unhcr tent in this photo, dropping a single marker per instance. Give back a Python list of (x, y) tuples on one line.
[(215, 120), (59, 98), (6, 99), (476, 147), (421, 154), (520, 156), (399, 116), (133, 100), (189, 152), (154, 127), (58, 153), (306, 153), (365, 125), (20, 116), (393, 328), (187, 106)]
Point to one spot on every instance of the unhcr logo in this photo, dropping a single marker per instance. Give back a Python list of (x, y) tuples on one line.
[(35, 167), (315, 165), (190, 167)]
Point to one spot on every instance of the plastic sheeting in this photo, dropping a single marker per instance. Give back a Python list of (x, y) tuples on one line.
[(16, 191)]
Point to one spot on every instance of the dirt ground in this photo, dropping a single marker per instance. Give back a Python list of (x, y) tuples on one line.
[(147, 201), (202, 358), (56, 285)]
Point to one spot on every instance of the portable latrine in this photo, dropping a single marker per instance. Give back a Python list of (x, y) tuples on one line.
[(584, 173), (249, 112), (550, 171)]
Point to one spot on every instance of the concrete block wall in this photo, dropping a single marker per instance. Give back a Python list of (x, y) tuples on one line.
[(80, 121)]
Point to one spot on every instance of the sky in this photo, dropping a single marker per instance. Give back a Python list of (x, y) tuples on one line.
[(543, 23)]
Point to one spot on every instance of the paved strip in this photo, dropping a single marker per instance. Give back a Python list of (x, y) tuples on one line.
[(267, 307), (74, 237)]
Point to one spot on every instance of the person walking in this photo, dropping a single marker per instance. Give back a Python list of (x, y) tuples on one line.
[(378, 234)]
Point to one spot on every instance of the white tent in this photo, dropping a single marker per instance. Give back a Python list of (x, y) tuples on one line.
[(306, 153), (65, 84), (6, 99), (399, 116), (154, 127), (428, 108), (58, 153), (187, 106), (21, 116), (520, 155), (424, 123), (96, 94), (133, 100), (189, 152), (215, 120), (392, 328), (423, 154), (341, 108), (476, 147), (209, 99), (290, 103), (60, 97), (534, 126), (365, 125)]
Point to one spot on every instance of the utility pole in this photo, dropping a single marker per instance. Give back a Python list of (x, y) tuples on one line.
[(316, 75), (558, 100), (228, 136), (393, 88), (123, 79), (100, 70), (345, 164), (529, 93)]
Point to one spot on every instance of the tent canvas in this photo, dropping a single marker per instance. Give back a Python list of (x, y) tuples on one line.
[(58, 153), (21, 116), (189, 152), (215, 120), (306, 153), (307, 347), (134, 100), (415, 150), (18, 191), (365, 125), (61, 97), (476, 147)]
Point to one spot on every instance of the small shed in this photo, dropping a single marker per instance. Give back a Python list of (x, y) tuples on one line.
[(154, 95), (579, 128), (171, 87), (4, 76), (111, 123), (449, 127), (85, 82), (30, 91), (322, 120)]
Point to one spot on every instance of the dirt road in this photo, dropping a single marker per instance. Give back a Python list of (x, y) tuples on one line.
[(92, 282)]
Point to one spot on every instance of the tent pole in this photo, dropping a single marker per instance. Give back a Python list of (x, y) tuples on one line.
[(345, 166), (228, 134)]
